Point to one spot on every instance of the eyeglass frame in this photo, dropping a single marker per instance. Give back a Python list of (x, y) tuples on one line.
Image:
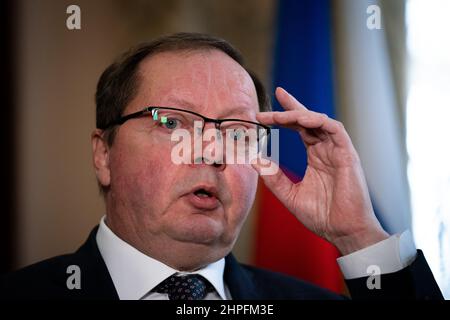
[(217, 122)]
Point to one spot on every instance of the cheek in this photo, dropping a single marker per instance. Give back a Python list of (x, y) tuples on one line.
[(243, 188), (142, 175)]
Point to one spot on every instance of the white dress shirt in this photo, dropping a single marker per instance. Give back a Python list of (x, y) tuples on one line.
[(135, 274), (390, 255)]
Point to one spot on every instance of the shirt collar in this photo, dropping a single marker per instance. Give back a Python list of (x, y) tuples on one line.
[(134, 274)]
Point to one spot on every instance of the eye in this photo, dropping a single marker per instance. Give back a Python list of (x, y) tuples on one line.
[(170, 123), (237, 134)]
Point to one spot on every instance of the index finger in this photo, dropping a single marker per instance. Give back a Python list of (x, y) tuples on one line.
[(287, 101)]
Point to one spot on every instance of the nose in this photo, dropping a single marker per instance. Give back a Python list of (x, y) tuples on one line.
[(219, 166), (212, 148)]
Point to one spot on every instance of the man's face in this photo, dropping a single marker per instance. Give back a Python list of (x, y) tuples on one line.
[(155, 204)]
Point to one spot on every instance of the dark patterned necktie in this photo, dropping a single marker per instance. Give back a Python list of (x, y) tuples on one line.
[(186, 287)]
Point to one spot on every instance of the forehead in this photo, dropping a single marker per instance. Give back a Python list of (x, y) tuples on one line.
[(206, 80)]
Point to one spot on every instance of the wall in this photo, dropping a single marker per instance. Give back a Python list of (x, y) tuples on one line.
[(57, 70)]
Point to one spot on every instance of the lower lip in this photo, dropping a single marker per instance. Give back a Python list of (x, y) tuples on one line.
[(203, 203)]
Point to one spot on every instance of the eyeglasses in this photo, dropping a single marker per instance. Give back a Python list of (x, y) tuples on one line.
[(170, 119)]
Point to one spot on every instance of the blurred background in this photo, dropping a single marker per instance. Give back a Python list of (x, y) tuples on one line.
[(381, 67)]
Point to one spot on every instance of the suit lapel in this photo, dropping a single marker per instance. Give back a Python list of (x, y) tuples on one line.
[(239, 280), (96, 282)]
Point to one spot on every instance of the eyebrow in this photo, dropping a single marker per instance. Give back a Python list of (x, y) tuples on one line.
[(180, 102)]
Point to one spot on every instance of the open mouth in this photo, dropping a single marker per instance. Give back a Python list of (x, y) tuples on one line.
[(204, 198), (202, 193)]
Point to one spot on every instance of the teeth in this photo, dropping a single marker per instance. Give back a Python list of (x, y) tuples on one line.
[(202, 195)]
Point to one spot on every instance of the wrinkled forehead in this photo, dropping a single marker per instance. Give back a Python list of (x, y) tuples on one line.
[(207, 81)]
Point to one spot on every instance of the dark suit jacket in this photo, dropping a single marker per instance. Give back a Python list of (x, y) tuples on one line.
[(47, 280)]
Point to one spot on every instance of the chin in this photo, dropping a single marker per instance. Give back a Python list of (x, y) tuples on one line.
[(199, 235), (195, 256), (194, 248), (198, 228)]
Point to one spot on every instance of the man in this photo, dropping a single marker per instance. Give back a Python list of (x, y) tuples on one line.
[(169, 228)]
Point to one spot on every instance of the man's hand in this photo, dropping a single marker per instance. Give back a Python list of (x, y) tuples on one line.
[(332, 200)]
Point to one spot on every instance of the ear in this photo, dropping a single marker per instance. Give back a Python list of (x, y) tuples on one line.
[(100, 157)]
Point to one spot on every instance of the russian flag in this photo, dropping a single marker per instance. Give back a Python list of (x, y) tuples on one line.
[(329, 59), (303, 65)]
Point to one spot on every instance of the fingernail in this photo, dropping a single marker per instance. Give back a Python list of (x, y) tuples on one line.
[(282, 89), (286, 92)]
